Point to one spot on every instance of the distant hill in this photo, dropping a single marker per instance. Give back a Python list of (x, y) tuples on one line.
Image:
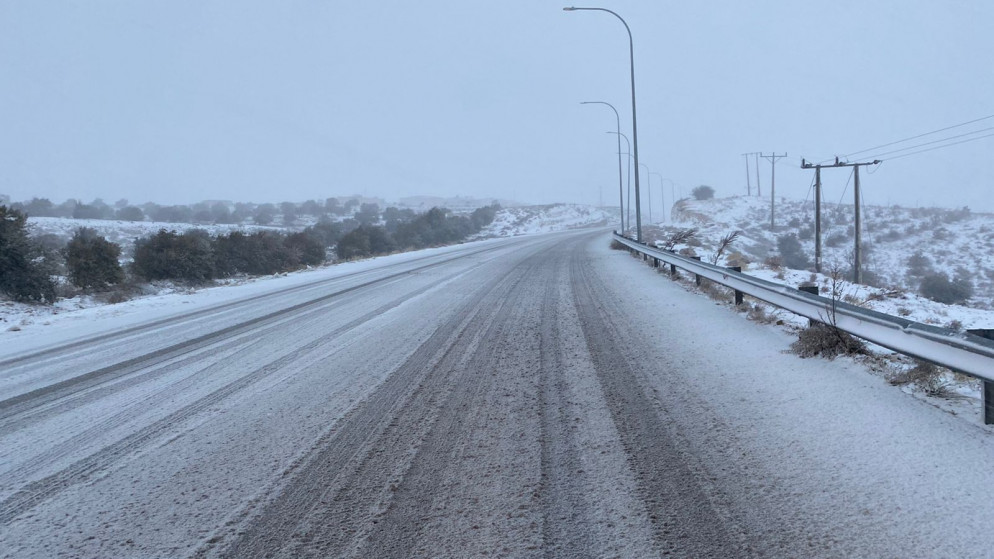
[(901, 246), (454, 203)]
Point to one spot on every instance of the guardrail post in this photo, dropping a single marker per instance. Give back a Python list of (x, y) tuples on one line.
[(738, 294), (655, 262), (987, 388), (673, 270), (697, 277), (812, 289)]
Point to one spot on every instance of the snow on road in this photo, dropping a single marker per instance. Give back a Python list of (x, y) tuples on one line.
[(542, 397)]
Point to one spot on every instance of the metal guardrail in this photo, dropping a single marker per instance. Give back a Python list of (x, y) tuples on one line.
[(962, 352)]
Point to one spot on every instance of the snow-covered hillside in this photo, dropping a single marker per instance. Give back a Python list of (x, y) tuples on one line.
[(527, 220), (900, 245)]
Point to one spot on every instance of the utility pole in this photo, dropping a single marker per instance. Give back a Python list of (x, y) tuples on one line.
[(748, 183), (772, 158), (817, 219), (857, 256), (758, 187), (662, 194)]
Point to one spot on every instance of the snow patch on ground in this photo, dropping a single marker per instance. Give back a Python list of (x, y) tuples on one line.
[(530, 220)]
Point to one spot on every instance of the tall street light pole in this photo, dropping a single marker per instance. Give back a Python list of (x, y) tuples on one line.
[(662, 194), (621, 193), (648, 189), (635, 140), (629, 160)]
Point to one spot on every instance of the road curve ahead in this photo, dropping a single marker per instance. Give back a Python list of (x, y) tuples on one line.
[(524, 398)]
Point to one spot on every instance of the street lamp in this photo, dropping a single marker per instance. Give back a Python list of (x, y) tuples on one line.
[(629, 154), (635, 140), (662, 193), (621, 194), (648, 189)]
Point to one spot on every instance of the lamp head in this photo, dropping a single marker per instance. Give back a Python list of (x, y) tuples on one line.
[(569, 9)]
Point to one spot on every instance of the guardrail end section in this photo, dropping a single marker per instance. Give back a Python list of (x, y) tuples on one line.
[(987, 390)]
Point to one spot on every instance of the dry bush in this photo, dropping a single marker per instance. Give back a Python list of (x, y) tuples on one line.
[(853, 300), (927, 378), (119, 293), (715, 291), (758, 313), (773, 263), (736, 258), (617, 245), (954, 325), (66, 290), (826, 341)]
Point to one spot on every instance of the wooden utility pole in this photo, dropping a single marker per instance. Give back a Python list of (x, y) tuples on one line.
[(758, 187), (772, 158), (818, 219), (748, 184), (857, 251)]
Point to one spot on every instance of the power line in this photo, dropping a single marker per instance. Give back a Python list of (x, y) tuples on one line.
[(934, 142), (942, 146), (845, 189), (918, 136)]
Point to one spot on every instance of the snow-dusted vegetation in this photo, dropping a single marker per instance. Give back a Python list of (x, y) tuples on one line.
[(525, 220), (346, 231), (929, 265)]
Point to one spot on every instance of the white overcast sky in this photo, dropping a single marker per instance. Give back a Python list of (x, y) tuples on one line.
[(180, 101)]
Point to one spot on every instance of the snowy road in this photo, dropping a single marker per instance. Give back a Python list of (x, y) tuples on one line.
[(507, 399)]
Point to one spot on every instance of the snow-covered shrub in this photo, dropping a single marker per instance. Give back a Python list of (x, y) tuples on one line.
[(702, 192), (92, 261), (736, 258), (826, 341), (758, 313), (938, 287), (791, 253), (168, 255), (836, 239), (24, 273), (774, 262), (927, 378)]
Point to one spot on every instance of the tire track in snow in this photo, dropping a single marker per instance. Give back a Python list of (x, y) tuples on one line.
[(88, 468), (345, 491), (41, 396), (76, 345), (564, 524), (684, 519)]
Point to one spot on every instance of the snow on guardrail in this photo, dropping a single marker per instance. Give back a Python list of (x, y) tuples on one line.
[(962, 352)]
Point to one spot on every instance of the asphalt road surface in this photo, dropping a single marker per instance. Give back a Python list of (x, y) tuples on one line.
[(515, 399)]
